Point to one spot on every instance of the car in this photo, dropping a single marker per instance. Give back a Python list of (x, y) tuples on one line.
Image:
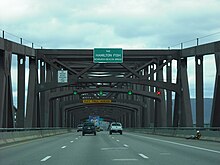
[(115, 127), (79, 127), (88, 128)]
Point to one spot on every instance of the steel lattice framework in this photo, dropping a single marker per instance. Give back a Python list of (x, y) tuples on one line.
[(53, 104)]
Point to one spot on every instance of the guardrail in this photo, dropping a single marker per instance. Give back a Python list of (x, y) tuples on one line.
[(210, 134), (11, 135)]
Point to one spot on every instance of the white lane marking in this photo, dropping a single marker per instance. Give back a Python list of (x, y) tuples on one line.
[(124, 159), (63, 147), (71, 141), (180, 144), (125, 145), (114, 148), (113, 137), (45, 159), (143, 156), (118, 140), (76, 138)]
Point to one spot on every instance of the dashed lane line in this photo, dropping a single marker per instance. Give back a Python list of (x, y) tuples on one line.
[(63, 147), (125, 145), (144, 156), (45, 159)]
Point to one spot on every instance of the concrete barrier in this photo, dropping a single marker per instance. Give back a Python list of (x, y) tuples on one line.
[(8, 136)]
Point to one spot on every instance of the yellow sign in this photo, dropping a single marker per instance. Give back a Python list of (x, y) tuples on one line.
[(96, 101)]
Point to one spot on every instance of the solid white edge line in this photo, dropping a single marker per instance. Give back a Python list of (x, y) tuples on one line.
[(143, 156), (45, 159), (180, 144)]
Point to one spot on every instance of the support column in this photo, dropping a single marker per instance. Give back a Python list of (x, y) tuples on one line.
[(152, 102), (199, 92), (169, 95), (6, 99), (215, 122), (182, 107), (160, 108), (31, 114), (146, 101), (48, 111), (42, 95), (21, 92)]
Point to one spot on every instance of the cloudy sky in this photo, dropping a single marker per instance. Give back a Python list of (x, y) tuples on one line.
[(128, 24), (110, 23)]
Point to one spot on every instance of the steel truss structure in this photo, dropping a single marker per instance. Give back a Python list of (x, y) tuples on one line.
[(149, 103)]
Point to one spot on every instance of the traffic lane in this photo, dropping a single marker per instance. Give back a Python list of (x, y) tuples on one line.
[(70, 149), (34, 150), (168, 150), (103, 149), (100, 149)]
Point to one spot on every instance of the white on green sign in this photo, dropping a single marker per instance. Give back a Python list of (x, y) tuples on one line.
[(108, 55)]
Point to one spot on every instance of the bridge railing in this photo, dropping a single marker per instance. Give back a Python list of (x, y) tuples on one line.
[(210, 134), (11, 135)]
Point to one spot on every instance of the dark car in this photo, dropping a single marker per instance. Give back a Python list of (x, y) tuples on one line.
[(88, 128), (79, 127)]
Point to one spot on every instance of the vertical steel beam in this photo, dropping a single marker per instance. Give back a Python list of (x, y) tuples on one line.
[(152, 102), (21, 92), (160, 108), (6, 100), (48, 111), (169, 95), (182, 107), (186, 112), (57, 112), (2, 88), (146, 101), (42, 95), (31, 113), (177, 101), (199, 92), (215, 117)]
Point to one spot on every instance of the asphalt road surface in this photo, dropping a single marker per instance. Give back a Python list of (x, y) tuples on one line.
[(115, 149)]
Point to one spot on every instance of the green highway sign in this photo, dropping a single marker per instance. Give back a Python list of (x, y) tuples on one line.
[(108, 55)]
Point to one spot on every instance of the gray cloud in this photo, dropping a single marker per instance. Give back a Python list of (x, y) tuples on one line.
[(87, 23)]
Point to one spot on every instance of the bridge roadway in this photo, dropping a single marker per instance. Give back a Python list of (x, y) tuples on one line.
[(115, 149)]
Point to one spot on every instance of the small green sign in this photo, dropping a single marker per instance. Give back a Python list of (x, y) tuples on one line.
[(108, 55)]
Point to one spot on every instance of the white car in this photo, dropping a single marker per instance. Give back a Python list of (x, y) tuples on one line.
[(115, 127)]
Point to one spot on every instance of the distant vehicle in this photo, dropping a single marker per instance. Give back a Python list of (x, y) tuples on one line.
[(115, 127), (88, 128), (79, 127)]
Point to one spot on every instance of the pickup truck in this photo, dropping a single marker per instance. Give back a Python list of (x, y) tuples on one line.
[(115, 127)]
